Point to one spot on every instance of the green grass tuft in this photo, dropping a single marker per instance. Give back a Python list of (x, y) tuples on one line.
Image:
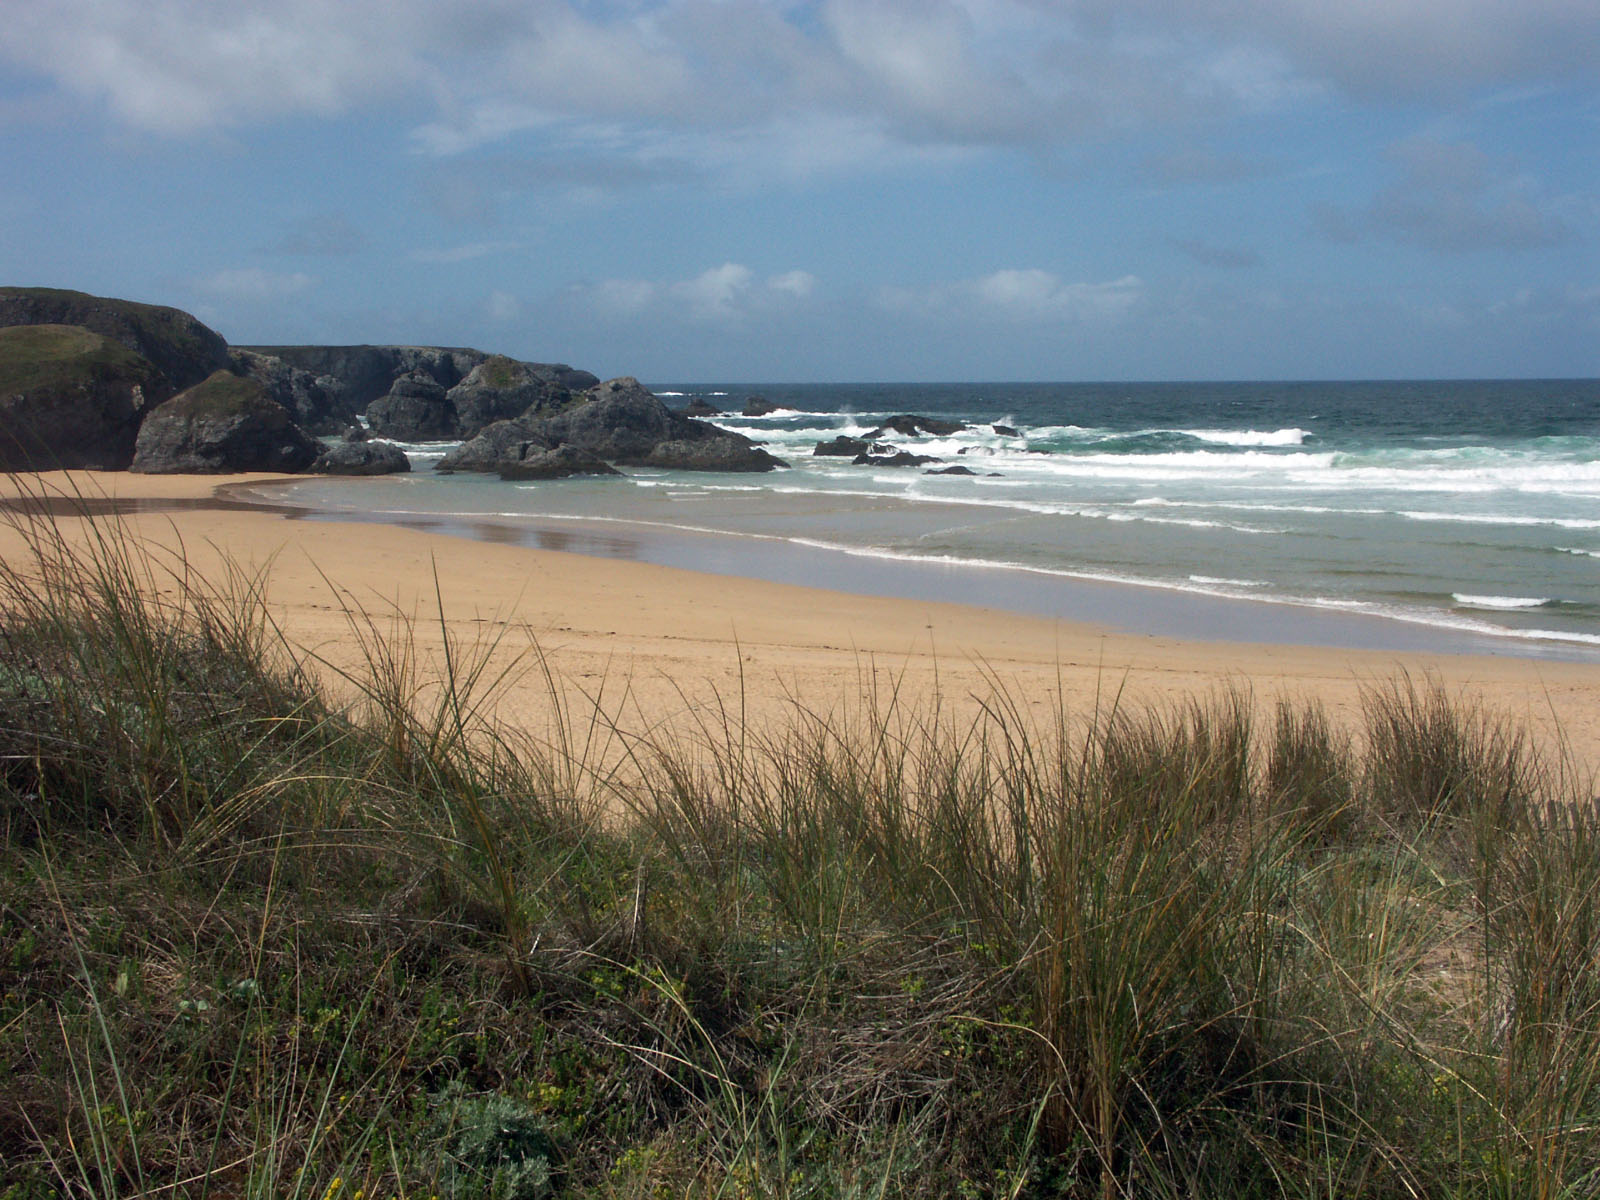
[(257, 942)]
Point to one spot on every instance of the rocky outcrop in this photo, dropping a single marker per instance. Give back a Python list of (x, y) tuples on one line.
[(699, 407), (221, 425), (730, 452), (181, 349), (416, 409), (317, 408), (361, 458), (759, 406), (69, 398), (621, 422), (368, 372), (902, 458), (841, 447), (955, 470), (496, 444), (559, 463), (502, 389), (910, 425), (1005, 430)]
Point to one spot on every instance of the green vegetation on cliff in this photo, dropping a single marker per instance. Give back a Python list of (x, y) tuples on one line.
[(181, 348), (37, 358)]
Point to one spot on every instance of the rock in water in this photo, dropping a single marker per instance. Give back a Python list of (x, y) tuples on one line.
[(361, 458), (417, 409), (69, 398), (910, 425), (902, 458), (502, 389), (222, 425), (618, 421), (559, 463), (841, 447), (729, 453)]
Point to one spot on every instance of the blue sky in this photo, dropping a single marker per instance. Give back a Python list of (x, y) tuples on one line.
[(771, 190)]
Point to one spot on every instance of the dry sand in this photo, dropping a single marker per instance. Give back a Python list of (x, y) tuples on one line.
[(656, 643)]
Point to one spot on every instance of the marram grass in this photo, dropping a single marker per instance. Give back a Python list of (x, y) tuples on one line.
[(255, 941)]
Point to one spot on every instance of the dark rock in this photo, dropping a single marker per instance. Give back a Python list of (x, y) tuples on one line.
[(910, 425), (356, 433), (417, 409), (559, 463), (502, 389), (314, 408), (182, 350), (956, 470), (69, 398), (361, 458), (902, 458), (368, 372), (841, 447), (365, 373), (1005, 431), (711, 454), (496, 444), (222, 425), (619, 421), (699, 408), (759, 406)]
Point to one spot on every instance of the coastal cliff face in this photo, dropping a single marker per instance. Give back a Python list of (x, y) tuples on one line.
[(181, 349), (70, 397), (87, 381), (367, 372)]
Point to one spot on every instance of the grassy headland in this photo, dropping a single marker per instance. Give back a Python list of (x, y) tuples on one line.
[(257, 940)]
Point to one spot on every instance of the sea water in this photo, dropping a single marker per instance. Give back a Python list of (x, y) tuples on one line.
[(1470, 509)]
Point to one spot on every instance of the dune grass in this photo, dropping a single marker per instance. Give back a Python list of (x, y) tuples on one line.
[(257, 941)]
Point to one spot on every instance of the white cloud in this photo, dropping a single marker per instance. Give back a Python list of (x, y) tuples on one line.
[(181, 66), (725, 294), (326, 235), (619, 297), (1451, 196), (1021, 295), (798, 284), (465, 253), (715, 293), (1388, 47), (1208, 254), (502, 307), (253, 283), (823, 85)]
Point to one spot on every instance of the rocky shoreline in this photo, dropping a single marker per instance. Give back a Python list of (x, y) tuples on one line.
[(91, 382), (105, 384)]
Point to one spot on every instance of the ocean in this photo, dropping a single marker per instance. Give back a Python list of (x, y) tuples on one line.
[(1452, 516)]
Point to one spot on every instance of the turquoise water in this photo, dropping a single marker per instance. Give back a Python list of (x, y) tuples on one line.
[(1470, 509)]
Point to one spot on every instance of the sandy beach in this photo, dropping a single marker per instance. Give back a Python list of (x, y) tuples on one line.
[(654, 645)]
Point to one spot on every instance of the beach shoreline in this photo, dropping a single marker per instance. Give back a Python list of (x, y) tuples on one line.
[(664, 642)]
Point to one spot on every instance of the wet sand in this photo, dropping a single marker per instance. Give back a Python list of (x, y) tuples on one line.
[(657, 645)]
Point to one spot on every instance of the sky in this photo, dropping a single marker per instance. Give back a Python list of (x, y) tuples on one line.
[(829, 190)]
